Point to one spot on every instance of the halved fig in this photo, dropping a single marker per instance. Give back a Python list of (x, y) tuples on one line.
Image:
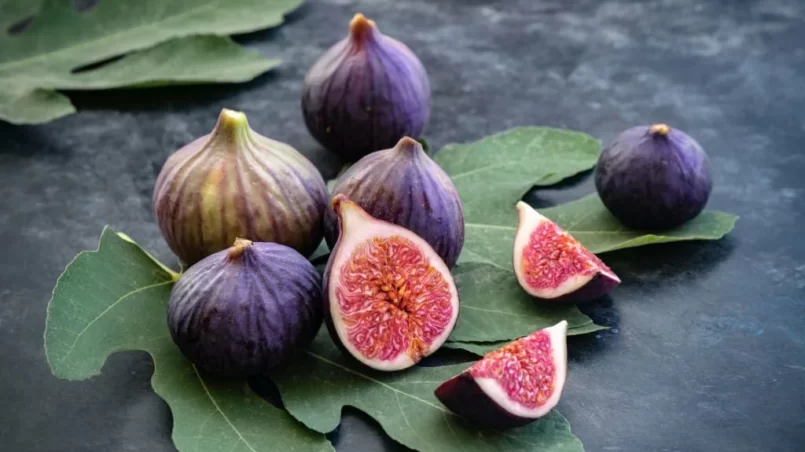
[(390, 299), (513, 385), (551, 265)]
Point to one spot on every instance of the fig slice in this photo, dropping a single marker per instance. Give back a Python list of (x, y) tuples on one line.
[(390, 300), (551, 265), (513, 385)]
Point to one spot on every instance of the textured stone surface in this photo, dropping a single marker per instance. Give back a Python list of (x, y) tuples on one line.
[(707, 349)]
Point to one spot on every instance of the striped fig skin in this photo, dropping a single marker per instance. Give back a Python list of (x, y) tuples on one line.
[(365, 93), (233, 183), (404, 186), (245, 310)]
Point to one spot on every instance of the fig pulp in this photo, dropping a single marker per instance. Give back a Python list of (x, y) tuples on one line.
[(653, 177), (514, 385), (551, 265), (365, 93), (402, 185), (245, 310), (233, 183), (389, 298)]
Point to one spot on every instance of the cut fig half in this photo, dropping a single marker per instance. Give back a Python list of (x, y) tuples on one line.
[(551, 265), (513, 385), (390, 299)]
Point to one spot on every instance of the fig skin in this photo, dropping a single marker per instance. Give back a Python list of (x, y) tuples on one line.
[(654, 177), (368, 227), (404, 186), (234, 183), (365, 93), (464, 396), (245, 310)]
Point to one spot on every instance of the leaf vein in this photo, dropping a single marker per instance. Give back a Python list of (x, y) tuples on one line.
[(218, 408)]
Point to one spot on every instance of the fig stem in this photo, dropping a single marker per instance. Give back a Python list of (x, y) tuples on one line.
[(408, 145), (360, 27), (659, 129), (231, 126), (238, 248)]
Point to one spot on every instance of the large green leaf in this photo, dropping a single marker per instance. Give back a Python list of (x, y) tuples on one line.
[(591, 223), (115, 299), (60, 39), (493, 173), (494, 307), (318, 386)]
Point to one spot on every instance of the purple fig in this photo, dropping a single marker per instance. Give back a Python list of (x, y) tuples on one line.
[(389, 298), (247, 309), (233, 183), (654, 177), (365, 93), (402, 185), (514, 385), (553, 266)]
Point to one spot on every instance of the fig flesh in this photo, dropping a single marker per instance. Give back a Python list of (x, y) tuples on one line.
[(365, 93), (234, 183), (654, 177), (551, 265), (247, 309), (389, 298), (514, 385), (402, 185)]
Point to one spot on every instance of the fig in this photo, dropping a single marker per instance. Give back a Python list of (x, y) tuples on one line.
[(653, 177), (553, 266), (245, 310), (365, 92), (389, 298), (513, 385), (234, 183), (402, 185)]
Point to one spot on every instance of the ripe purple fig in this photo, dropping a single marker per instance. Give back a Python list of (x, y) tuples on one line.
[(366, 92), (389, 298), (402, 185), (233, 183), (553, 266), (514, 385), (247, 309), (654, 177)]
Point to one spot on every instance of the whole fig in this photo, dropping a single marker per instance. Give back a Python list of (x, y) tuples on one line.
[(404, 186), (365, 93), (653, 177), (234, 183), (245, 310)]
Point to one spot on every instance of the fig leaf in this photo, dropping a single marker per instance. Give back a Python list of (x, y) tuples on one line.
[(115, 299), (42, 43), (495, 308), (591, 224), (482, 348), (317, 386)]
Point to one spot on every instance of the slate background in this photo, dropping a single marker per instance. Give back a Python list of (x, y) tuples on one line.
[(707, 349)]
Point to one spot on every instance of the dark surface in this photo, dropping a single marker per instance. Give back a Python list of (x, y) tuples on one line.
[(707, 349)]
